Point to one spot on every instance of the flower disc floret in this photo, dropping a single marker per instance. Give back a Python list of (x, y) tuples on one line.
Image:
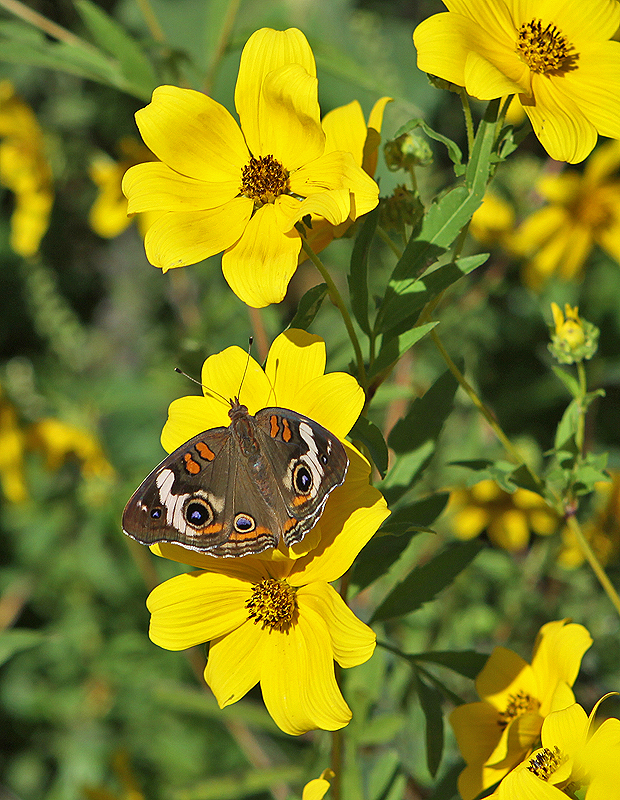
[(273, 605), (544, 48), (264, 179)]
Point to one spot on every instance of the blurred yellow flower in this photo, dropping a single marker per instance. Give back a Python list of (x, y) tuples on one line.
[(559, 61), (242, 190), (24, 169), (507, 518), (12, 449), (58, 441), (273, 619), (493, 221), (574, 756), (346, 129), (108, 214), (498, 732), (602, 531), (582, 210)]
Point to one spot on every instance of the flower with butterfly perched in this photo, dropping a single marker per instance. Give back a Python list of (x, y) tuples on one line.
[(242, 190), (273, 618), (558, 60)]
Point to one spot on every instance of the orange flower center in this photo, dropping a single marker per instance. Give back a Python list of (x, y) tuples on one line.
[(518, 704), (264, 179), (546, 762), (273, 604), (546, 49)]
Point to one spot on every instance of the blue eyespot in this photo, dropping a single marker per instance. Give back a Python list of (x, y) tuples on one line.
[(302, 479), (156, 513), (198, 513), (244, 523)]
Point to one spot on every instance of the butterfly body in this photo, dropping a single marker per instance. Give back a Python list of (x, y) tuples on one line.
[(241, 489)]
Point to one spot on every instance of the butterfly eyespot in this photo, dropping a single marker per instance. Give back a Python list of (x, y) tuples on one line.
[(302, 479), (324, 459), (244, 523), (156, 513), (198, 513)]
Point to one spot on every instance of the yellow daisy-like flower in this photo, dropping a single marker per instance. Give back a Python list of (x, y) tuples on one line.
[(108, 214), (242, 190), (346, 130), (318, 788), (58, 442), (273, 619), (493, 220), (582, 210), (12, 449), (557, 59), (497, 733), (507, 518), (25, 170), (573, 756)]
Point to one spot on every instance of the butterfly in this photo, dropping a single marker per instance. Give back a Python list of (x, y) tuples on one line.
[(241, 489)]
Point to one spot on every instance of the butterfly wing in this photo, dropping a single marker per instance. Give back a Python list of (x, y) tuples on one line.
[(308, 461)]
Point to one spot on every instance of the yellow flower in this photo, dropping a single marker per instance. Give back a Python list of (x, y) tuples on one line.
[(582, 210), (243, 190), (345, 129), (272, 619), (602, 532), (12, 449), (25, 170), (493, 220), (58, 442), (572, 757), (573, 339), (507, 518), (108, 214), (557, 59), (497, 733), (318, 788)]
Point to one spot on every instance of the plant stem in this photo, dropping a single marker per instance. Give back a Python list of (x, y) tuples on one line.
[(44, 24), (594, 562), (469, 122), (152, 22), (337, 300), (581, 423)]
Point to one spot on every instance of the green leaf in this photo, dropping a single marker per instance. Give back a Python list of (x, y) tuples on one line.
[(447, 788), (17, 639), (358, 273), (454, 151), (571, 383), (371, 437), (589, 472), (568, 425), (308, 307), (431, 703), (424, 583), (416, 516), (380, 729), (466, 662), (114, 39), (395, 345)]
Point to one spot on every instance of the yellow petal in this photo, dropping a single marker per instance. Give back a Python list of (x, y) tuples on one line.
[(373, 136), (477, 730), (485, 80), (289, 117), (259, 267), (297, 678), (317, 788), (603, 162), (234, 663), (177, 239), (559, 648), (352, 641), (193, 134), (599, 24), (510, 530), (265, 51), (232, 374), (595, 86), (189, 416), (476, 777), (336, 170), (295, 357), (566, 729), (539, 228), (505, 673), (195, 608), (493, 16), (521, 784), (334, 206), (250, 569), (558, 122), (334, 400), (155, 186), (469, 522), (345, 129)]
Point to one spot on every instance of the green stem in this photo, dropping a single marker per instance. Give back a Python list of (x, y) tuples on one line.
[(44, 24), (469, 121), (486, 413), (594, 562), (337, 300), (152, 22), (388, 240), (581, 423)]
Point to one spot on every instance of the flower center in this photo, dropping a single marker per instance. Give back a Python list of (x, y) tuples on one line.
[(518, 704), (546, 49), (273, 604), (264, 179), (546, 762)]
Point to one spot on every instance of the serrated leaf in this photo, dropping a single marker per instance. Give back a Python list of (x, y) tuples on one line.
[(17, 639), (358, 272), (431, 703), (454, 151), (308, 307), (425, 582), (466, 662), (114, 39), (369, 435), (394, 346)]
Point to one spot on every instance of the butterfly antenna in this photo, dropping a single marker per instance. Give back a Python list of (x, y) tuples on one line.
[(247, 364), (206, 388)]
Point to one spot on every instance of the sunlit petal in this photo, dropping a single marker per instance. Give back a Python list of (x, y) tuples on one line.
[(295, 357), (234, 663)]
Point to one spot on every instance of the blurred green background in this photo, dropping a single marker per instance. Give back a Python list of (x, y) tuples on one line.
[(90, 334)]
